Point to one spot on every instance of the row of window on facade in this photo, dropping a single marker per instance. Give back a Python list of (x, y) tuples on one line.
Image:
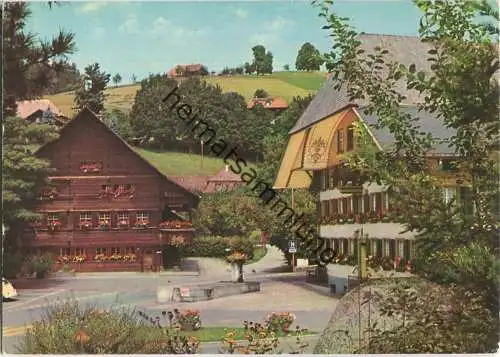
[(121, 218), (375, 247), (89, 251), (376, 202)]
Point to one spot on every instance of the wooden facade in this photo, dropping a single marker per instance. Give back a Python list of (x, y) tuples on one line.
[(106, 207)]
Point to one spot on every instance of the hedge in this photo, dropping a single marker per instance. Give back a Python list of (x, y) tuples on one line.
[(215, 246)]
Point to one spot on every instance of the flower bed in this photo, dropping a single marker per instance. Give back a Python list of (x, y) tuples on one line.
[(237, 257), (115, 258), (176, 225), (279, 321)]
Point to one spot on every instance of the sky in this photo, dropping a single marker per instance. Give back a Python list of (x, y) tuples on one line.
[(142, 38)]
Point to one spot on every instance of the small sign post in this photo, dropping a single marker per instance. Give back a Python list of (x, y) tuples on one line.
[(292, 249)]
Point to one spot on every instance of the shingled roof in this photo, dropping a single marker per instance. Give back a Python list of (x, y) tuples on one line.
[(402, 49), (427, 122)]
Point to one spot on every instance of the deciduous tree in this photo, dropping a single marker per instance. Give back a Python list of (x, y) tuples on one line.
[(308, 58)]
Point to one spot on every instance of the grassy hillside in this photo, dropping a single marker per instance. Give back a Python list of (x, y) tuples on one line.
[(283, 84), (179, 164), (311, 81)]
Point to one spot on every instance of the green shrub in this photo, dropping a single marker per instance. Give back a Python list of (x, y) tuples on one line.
[(256, 236), (215, 246), (40, 265), (12, 264), (207, 246), (71, 329)]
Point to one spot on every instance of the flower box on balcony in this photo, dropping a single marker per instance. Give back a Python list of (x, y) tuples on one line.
[(85, 225), (123, 224), (142, 224), (104, 224), (176, 225), (54, 226)]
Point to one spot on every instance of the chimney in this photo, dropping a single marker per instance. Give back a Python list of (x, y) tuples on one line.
[(227, 168)]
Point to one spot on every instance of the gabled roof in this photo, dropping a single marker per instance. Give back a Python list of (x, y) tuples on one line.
[(191, 183), (427, 122), (27, 107), (269, 102), (93, 116), (402, 49)]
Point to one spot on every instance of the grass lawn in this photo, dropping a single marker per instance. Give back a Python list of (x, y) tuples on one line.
[(258, 254), (283, 84), (178, 164), (311, 81), (247, 85)]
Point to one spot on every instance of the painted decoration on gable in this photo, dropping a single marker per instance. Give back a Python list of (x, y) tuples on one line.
[(91, 167)]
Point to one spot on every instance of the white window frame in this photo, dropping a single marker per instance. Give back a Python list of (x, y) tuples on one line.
[(100, 250), (52, 217), (115, 250), (85, 216), (143, 216), (123, 216), (105, 216), (79, 251)]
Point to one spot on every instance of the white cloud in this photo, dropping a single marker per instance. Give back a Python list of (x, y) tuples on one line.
[(92, 6), (130, 26), (271, 33), (241, 13), (173, 34)]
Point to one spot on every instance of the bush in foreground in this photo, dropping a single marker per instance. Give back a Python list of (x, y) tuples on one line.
[(71, 329)]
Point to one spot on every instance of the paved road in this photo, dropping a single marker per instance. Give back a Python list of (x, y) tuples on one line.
[(279, 292)]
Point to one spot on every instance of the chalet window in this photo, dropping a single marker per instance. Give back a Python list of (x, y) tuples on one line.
[(53, 218), (331, 178), (142, 220), (65, 251), (100, 251), (350, 138), (333, 207), (340, 141), (345, 208), (340, 206), (448, 165), (115, 250), (324, 208), (79, 251), (105, 218), (85, 217), (123, 218)]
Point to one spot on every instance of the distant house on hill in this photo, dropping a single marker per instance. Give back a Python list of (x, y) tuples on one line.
[(224, 180), (195, 184), (187, 70), (276, 104), (41, 111)]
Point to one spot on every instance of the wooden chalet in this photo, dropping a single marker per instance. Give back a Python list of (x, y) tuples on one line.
[(325, 132), (41, 111), (107, 208), (275, 104)]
